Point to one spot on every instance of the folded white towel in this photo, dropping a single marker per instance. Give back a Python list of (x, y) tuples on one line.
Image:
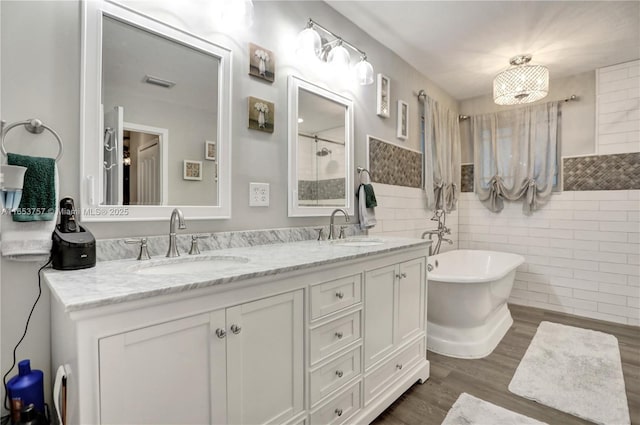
[(367, 215), (28, 241)]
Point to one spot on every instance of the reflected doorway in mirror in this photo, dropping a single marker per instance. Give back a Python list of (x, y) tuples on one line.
[(192, 170), (261, 113), (262, 63)]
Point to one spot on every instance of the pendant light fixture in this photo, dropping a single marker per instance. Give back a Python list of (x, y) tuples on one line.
[(311, 46), (521, 83)]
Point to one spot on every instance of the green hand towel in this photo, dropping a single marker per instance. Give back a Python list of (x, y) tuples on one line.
[(370, 196), (38, 201)]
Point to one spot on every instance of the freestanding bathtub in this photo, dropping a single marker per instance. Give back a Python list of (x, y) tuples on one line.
[(467, 312)]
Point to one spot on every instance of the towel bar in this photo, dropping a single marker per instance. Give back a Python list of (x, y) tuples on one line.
[(34, 126)]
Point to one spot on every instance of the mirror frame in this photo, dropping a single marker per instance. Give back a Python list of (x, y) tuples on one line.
[(91, 120), (295, 210)]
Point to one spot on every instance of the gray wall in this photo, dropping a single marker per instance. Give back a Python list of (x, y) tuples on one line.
[(578, 118), (47, 85)]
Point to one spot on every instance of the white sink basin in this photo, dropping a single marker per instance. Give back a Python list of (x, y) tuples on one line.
[(359, 242), (190, 265)]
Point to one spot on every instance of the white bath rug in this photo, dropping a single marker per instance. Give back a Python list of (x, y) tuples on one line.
[(577, 371), (469, 410)]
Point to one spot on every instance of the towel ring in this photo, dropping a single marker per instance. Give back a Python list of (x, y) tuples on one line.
[(361, 171), (34, 126)]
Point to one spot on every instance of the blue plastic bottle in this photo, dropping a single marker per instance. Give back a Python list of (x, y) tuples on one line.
[(26, 388)]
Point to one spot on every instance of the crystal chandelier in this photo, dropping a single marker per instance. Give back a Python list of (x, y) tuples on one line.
[(521, 83)]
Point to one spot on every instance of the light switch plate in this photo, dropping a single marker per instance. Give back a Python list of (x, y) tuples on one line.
[(258, 194)]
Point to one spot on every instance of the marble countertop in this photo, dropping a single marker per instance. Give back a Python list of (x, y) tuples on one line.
[(112, 282)]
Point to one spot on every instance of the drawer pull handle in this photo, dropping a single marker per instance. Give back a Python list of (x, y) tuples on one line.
[(221, 333), (398, 277), (340, 295), (338, 412), (339, 335), (399, 366), (235, 329), (339, 373), (403, 275)]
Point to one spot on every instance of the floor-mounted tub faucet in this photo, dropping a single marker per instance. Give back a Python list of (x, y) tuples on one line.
[(440, 217), (173, 248)]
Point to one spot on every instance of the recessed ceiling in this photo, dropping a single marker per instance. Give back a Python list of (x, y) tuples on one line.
[(462, 45)]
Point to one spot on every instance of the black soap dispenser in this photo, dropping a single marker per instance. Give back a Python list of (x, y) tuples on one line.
[(73, 247)]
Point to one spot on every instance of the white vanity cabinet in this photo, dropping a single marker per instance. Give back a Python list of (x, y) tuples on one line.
[(330, 343), (242, 364)]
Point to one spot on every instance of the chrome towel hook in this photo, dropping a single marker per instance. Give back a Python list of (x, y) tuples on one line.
[(34, 126)]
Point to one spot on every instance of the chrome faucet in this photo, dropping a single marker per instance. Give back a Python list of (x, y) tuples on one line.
[(333, 216), (173, 248), (440, 217)]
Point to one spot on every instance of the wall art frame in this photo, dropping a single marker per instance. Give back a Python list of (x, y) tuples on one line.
[(402, 131), (192, 170), (383, 98)]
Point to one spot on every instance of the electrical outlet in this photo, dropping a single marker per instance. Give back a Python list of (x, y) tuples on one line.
[(258, 194)]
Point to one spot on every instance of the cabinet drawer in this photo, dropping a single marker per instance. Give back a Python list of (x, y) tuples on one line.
[(381, 378), (339, 409), (335, 295), (332, 336), (334, 374)]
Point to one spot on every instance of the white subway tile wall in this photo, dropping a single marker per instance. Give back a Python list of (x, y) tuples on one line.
[(582, 251), (401, 212), (618, 108)]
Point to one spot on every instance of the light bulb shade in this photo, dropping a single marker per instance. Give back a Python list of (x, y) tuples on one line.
[(364, 73), (339, 58), (308, 44), (521, 84)]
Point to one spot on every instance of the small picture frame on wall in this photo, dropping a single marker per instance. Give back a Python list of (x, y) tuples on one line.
[(383, 104), (192, 170), (403, 120), (262, 63), (261, 113), (210, 150)]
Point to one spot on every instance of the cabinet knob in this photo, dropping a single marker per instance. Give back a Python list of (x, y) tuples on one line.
[(339, 373), (235, 329), (399, 366), (221, 333), (338, 412), (340, 295), (339, 335), (403, 275), (398, 276)]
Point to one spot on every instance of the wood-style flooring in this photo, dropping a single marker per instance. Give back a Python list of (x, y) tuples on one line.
[(488, 378)]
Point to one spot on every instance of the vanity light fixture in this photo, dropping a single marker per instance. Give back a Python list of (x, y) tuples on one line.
[(521, 83), (167, 84), (311, 46)]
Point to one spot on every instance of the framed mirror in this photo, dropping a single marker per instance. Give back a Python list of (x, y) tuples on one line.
[(320, 150), (154, 99)]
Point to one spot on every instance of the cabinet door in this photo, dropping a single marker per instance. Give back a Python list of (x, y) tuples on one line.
[(163, 374), (379, 294), (265, 373), (411, 296)]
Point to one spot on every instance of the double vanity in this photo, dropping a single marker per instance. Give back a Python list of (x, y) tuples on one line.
[(309, 332)]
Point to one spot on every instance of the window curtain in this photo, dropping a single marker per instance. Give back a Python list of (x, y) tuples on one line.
[(441, 148), (515, 154)]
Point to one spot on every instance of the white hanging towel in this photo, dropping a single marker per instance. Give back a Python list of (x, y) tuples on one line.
[(367, 215)]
